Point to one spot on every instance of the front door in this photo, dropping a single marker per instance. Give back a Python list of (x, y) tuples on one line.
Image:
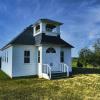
[(51, 57)]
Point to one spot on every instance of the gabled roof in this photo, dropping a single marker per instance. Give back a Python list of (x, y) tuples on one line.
[(27, 38)]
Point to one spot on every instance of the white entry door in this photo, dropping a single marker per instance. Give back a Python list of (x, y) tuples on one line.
[(51, 60)]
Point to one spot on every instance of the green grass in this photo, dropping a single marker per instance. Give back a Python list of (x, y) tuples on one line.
[(79, 87)]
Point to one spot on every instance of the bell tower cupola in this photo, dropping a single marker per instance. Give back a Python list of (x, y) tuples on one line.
[(47, 26)]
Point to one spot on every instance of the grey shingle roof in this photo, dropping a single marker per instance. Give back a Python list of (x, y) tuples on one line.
[(27, 38), (48, 21)]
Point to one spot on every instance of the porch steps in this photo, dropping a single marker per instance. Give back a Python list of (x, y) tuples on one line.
[(58, 75)]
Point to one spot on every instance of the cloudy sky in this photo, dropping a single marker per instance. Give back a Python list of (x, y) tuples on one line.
[(81, 19)]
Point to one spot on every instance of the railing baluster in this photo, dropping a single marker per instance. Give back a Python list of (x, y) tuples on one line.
[(61, 68), (46, 69), (64, 68)]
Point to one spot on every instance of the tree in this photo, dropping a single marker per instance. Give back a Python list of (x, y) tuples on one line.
[(97, 46), (97, 52), (85, 56)]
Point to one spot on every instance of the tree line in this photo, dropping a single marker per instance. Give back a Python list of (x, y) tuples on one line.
[(90, 56)]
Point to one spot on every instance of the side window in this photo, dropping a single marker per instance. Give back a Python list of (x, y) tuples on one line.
[(2, 58), (7, 57), (38, 56), (37, 28), (26, 56), (62, 56)]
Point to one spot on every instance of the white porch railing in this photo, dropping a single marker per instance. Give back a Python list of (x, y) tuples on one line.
[(46, 69), (64, 68)]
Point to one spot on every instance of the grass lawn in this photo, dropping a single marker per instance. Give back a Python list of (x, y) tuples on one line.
[(79, 87)]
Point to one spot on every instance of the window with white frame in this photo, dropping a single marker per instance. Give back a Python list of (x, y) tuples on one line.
[(50, 28), (62, 56), (37, 29), (7, 56), (2, 58), (39, 56), (26, 56)]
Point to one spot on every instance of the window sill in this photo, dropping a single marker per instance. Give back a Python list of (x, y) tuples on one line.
[(27, 63)]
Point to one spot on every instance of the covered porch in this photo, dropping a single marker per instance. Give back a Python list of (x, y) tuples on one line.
[(53, 61)]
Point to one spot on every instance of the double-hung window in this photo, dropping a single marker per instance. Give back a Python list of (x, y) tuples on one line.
[(38, 56), (7, 56), (26, 56), (62, 56)]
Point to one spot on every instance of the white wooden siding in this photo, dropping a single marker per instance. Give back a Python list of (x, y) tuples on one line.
[(19, 67), (7, 66)]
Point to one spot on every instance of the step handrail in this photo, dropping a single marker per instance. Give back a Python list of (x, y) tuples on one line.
[(64, 68), (46, 69)]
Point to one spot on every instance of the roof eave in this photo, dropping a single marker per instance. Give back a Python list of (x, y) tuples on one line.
[(5, 47)]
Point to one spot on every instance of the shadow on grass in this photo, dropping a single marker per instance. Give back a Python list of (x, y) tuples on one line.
[(26, 77), (85, 70)]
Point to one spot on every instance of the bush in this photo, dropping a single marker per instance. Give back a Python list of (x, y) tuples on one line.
[(79, 64)]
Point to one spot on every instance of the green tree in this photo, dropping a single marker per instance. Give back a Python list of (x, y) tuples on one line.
[(97, 52), (85, 56), (97, 46)]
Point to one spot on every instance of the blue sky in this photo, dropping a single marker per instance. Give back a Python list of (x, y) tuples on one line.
[(81, 19)]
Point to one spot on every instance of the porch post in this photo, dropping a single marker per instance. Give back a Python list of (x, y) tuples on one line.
[(40, 64)]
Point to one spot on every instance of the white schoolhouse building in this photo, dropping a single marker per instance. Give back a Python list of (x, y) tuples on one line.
[(38, 50)]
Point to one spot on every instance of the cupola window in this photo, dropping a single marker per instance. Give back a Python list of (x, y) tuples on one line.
[(37, 28), (50, 28)]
